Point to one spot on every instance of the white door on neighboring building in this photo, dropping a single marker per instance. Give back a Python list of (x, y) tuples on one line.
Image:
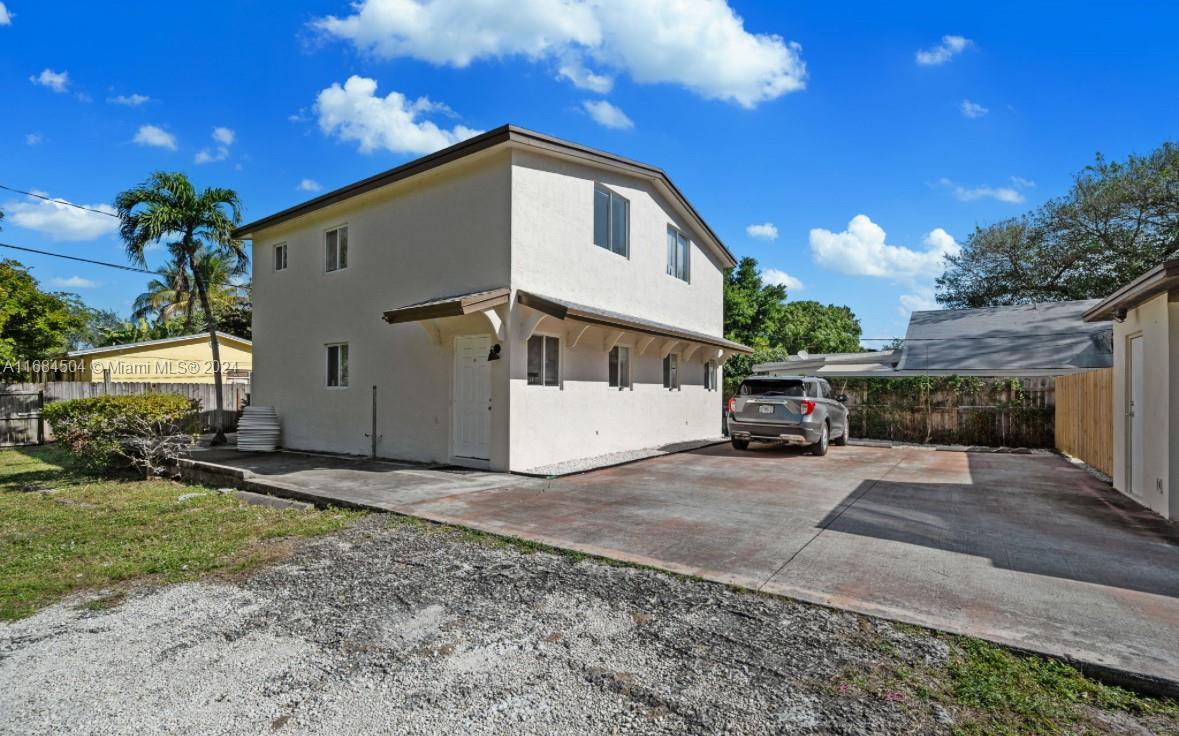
[(471, 429), (1137, 412)]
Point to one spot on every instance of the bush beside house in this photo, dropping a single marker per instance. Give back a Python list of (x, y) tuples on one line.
[(144, 431)]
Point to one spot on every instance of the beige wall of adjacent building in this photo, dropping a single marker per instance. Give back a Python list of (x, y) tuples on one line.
[(1157, 321), (188, 361)]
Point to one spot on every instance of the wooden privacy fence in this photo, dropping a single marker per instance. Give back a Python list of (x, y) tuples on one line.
[(1084, 417), (234, 395), (952, 410), (20, 419)]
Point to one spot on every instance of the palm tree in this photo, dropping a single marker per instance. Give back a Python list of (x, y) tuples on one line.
[(172, 292), (168, 206)]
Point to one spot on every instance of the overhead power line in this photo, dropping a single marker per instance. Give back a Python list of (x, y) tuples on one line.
[(106, 264), (58, 201)]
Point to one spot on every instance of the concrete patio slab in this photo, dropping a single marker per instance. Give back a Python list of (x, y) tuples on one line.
[(1024, 550)]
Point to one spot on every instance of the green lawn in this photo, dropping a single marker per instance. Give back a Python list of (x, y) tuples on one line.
[(62, 530)]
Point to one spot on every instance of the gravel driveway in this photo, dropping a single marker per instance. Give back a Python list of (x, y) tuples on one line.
[(396, 627)]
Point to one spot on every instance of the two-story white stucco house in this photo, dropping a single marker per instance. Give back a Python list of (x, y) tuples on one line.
[(511, 302)]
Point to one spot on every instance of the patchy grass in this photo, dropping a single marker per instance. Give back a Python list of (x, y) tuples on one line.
[(985, 689), (62, 530), (1006, 693)]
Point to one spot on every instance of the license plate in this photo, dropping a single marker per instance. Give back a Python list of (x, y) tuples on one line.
[(766, 409)]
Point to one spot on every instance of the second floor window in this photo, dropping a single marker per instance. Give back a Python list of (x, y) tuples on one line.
[(280, 257), (337, 248), (678, 248), (611, 221)]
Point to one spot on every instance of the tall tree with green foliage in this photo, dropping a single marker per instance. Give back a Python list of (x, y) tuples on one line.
[(817, 328), (1117, 221), (167, 207), (172, 293), (34, 324), (752, 307)]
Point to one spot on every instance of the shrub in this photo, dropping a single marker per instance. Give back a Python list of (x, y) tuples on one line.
[(145, 431)]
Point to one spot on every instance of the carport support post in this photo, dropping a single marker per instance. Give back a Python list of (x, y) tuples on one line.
[(373, 434)]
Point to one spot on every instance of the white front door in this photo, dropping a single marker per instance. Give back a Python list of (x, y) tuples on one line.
[(471, 428), (1137, 415)]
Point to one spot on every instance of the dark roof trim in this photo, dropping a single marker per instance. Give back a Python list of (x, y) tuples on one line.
[(451, 306), (1158, 280), (564, 310), (501, 135)]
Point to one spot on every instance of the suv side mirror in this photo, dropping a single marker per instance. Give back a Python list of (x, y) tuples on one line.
[(842, 398)]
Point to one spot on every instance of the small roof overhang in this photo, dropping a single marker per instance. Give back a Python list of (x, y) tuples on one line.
[(449, 306), (1158, 280), (562, 310)]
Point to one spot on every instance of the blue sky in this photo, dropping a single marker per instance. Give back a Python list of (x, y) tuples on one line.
[(872, 136)]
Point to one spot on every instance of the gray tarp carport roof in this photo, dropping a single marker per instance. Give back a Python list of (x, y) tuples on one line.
[(1048, 338)]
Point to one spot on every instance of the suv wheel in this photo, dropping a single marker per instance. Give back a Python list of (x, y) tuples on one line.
[(820, 447), (740, 444)]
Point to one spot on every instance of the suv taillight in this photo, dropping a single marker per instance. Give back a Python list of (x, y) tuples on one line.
[(732, 404), (807, 406)]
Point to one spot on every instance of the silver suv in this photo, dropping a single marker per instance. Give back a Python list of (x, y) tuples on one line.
[(797, 410)]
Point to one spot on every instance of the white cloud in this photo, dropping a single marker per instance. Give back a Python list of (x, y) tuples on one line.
[(309, 185), (56, 81), (33, 139), (583, 78), (921, 300), (776, 277), (131, 100), (950, 47), (971, 194), (1022, 183), (73, 282), (355, 113), (224, 136), (210, 155), (764, 231), (5, 16), (606, 114), (60, 221), (861, 250), (154, 135), (973, 109), (701, 45)]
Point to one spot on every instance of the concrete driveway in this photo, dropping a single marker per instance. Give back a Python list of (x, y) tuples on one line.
[(1025, 550)]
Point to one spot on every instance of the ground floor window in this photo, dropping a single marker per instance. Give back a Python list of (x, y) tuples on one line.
[(620, 367), (337, 365), (710, 375), (544, 360), (671, 371)]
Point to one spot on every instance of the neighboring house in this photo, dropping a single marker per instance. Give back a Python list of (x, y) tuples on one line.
[(1145, 317), (1026, 340), (183, 359), (511, 302)]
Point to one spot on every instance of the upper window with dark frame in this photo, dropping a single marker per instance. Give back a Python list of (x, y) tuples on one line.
[(336, 246), (611, 221), (679, 249)]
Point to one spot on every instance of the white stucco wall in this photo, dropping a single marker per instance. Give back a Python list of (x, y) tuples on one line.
[(444, 232), (553, 254), (503, 218), (1157, 320)]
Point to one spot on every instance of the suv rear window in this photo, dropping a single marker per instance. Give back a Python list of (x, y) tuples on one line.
[(763, 387)]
